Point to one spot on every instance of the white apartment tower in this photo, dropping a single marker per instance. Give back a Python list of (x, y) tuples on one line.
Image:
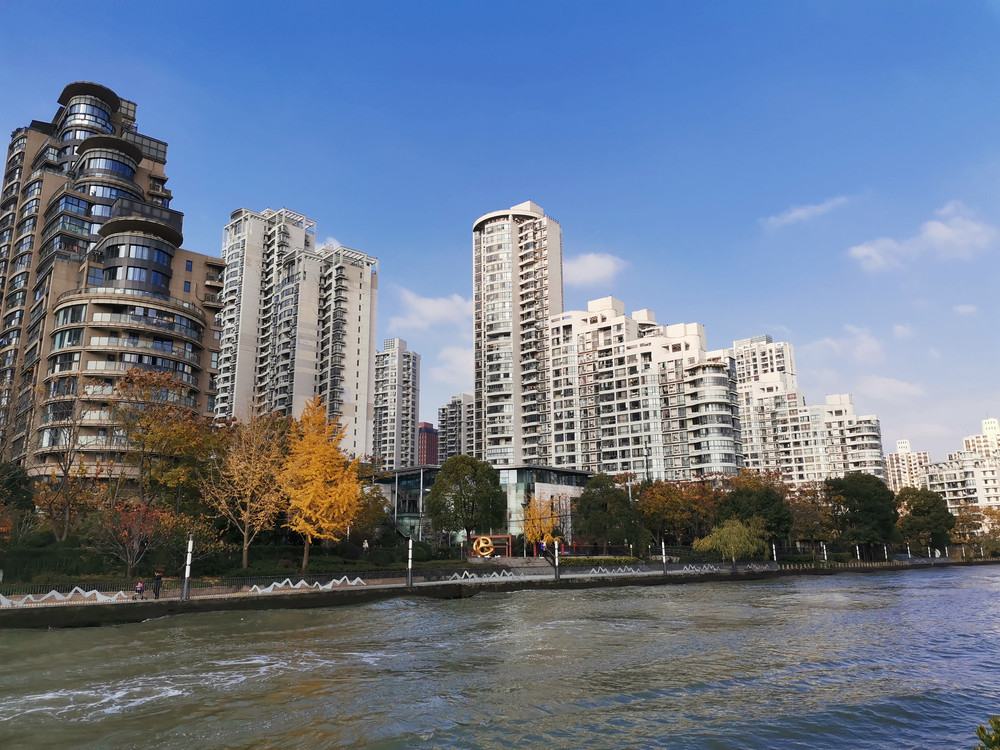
[(988, 443), (456, 427), (804, 444), (630, 395), (517, 285), (297, 320), (906, 467), (397, 405)]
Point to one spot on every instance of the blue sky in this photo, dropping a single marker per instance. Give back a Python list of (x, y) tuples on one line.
[(826, 172)]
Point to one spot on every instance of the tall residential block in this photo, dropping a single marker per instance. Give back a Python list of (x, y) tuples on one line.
[(906, 467), (966, 480), (630, 395), (986, 444), (298, 320), (803, 443), (456, 426), (93, 280), (517, 285), (427, 444), (397, 405)]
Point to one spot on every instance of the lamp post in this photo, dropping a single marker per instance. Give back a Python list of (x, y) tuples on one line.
[(524, 526)]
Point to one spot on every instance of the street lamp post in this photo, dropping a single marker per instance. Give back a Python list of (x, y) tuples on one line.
[(524, 527)]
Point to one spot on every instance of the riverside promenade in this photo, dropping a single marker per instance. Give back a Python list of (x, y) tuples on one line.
[(82, 607)]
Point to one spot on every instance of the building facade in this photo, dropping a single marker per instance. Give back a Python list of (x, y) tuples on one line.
[(456, 426), (93, 280), (803, 443), (427, 444), (298, 320), (966, 479), (397, 405), (906, 467), (986, 444), (632, 396), (517, 285)]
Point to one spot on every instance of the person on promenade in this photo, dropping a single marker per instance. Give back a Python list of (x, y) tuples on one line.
[(140, 591), (157, 583)]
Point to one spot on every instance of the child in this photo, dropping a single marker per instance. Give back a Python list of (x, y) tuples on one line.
[(140, 591)]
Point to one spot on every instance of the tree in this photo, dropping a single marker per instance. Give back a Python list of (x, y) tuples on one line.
[(927, 519), (466, 496), (124, 530), (540, 521), (240, 482), (603, 511), (319, 481), (735, 539), (755, 495), (164, 440), (989, 737), (968, 523), (15, 486), (64, 496), (863, 509), (811, 519)]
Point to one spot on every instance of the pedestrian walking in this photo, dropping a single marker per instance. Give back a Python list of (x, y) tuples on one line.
[(157, 583)]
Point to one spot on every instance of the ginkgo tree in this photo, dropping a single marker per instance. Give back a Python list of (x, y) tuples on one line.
[(320, 483), (540, 521), (240, 482)]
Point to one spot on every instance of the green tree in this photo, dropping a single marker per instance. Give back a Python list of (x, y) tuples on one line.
[(321, 484), (15, 486), (989, 737), (863, 509), (755, 495), (603, 511), (735, 540), (466, 496), (927, 519)]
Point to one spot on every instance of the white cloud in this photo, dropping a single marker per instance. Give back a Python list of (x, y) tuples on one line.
[(796, 214), (901, 331), (955, 235), (860, 345), (965, 309), (888, 389), (934, 353), (332, 242), (454, 367), (424, 312), (591, 269)]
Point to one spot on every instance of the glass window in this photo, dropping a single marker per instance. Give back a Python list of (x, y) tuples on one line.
[(187, 265), (137, 273), (187, 286)]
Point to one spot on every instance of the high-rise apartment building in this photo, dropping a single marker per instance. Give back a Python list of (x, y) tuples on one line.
[(986, 444), (427, 444), (456, 426), (298, 320), (93, 280), (397, 405), (630, 395), (803, 443), (517, 285), (906, 467), (966, 479)]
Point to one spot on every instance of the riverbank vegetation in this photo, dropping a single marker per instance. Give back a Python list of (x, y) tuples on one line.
[(275, 495)]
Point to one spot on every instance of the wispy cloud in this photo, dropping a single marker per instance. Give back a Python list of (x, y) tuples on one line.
[(592, 269), (332, 241), (888, 389), (955, 235), (454, 367), (901, 331), (423, 312), (965, 309), (859, 344), (796, 214)]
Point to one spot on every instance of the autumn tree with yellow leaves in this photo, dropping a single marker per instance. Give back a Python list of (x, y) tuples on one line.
[(540, 521), (240, 483), (320, 483)]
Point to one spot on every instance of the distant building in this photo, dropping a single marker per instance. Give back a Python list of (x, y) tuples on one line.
[(397, 405), (803, 443), (517, 285), (966, 479), (456, 427), (630, 395), (906, 467), (427, 444), (988, 443), (298, 320)]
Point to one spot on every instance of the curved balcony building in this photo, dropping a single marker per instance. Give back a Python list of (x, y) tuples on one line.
[(93, 280)]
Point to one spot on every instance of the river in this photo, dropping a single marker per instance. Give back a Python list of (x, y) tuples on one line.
[(903, 659)]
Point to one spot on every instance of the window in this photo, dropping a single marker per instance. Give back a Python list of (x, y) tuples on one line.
[(136, 273), (187, 286), (188, 265)]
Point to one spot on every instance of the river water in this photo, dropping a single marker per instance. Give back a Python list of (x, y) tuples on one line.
[(890, 660)]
